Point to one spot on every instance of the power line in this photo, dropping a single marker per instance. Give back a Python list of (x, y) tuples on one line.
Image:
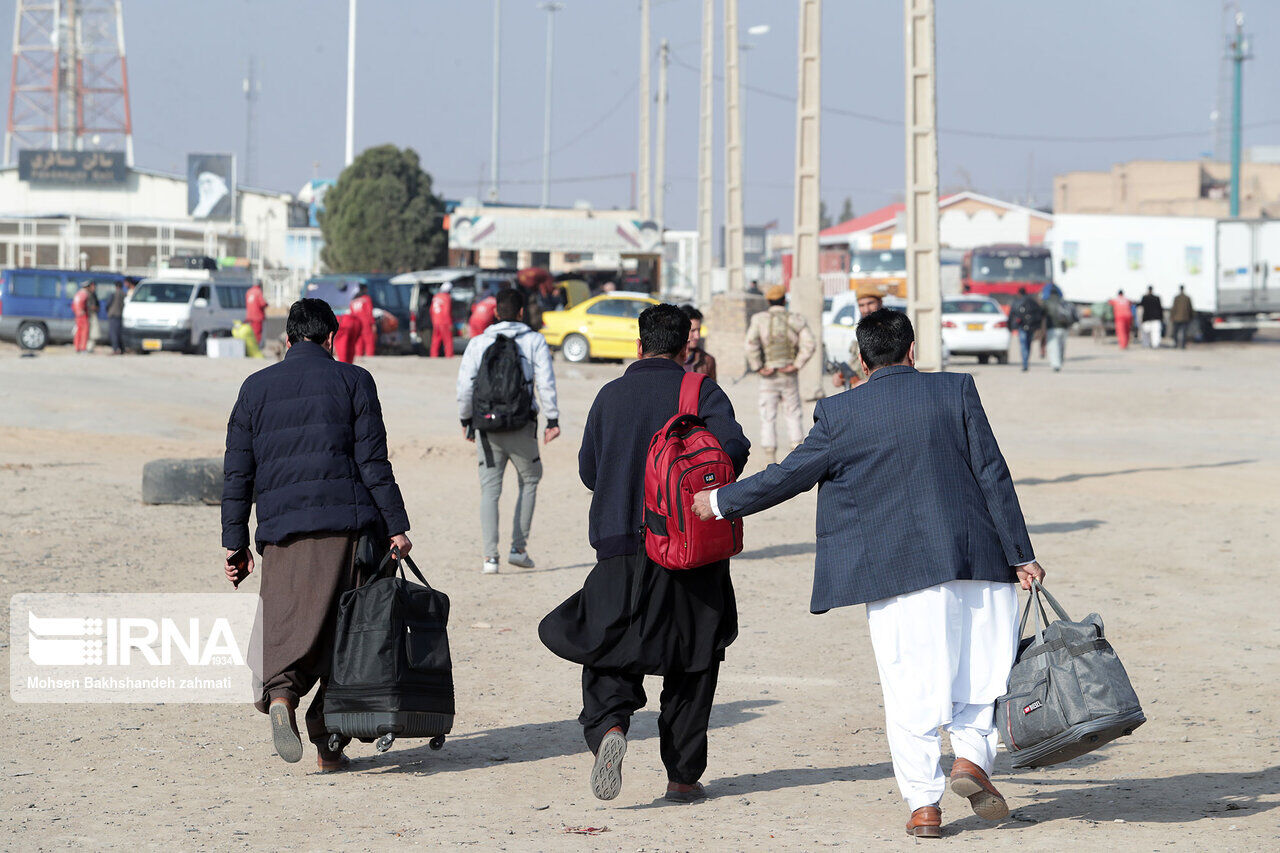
[(582, 134), (978, 134), (579, 179)]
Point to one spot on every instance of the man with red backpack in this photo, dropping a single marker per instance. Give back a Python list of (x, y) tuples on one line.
[(633, 617)]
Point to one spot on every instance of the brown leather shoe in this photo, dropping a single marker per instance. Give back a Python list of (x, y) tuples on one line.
[(926, 822), (968, 781), (284, 729), (333, 762)]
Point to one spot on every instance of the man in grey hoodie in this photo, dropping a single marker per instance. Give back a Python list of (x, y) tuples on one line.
[(518, 445)]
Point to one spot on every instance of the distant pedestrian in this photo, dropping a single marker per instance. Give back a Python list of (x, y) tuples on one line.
[(362, 308), (1152, 318), (1181, 316), (307, 445), (1059, 317), (80, 311), (1102, 319), (778, 344), (255, 309), (1122, 315), (93, 309), (503, 414), (698, 360), (442, 321), (482, 315), (115, 319), (1026, 317)]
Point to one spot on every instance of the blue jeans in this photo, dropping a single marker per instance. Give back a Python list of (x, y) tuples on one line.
[(1024, 344)]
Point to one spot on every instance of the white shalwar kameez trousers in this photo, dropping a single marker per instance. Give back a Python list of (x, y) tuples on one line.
[(944, 655)]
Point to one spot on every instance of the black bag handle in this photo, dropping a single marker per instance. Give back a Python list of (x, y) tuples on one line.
[(394, 557)]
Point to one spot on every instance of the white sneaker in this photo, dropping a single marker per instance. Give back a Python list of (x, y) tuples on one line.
[(521, 559), (490, 566)]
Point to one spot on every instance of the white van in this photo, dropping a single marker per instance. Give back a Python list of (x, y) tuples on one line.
[(180, 310)]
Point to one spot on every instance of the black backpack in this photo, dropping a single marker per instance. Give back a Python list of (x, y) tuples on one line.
[(503, 400), (1028, 313)]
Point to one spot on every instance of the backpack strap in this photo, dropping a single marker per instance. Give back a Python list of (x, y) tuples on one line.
[(690, 391)]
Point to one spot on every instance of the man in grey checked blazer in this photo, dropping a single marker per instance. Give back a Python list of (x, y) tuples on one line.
[(917, 519)]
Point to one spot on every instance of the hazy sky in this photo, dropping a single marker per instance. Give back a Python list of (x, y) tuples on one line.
[(1083, 68)]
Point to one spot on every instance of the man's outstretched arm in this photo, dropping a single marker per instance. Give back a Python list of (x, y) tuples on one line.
[(799, 472)]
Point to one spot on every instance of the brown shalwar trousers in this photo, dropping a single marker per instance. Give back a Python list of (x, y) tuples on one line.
[(302, 579)]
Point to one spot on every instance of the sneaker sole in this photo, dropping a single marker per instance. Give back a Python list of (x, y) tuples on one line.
[(288, 744), (606, 775), (986, 805)]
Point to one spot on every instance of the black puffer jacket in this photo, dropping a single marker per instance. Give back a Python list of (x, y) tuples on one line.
[(307, 442)]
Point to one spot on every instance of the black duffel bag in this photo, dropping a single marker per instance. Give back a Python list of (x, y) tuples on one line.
[(392, 675), (1068, 692)]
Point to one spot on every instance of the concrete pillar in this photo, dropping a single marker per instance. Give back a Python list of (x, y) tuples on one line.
[(924, 288), (806, 282)]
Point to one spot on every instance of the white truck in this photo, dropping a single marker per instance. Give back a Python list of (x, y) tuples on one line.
[(1230, 267)]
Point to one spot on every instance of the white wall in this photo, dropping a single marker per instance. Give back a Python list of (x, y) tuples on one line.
[(960, 230)]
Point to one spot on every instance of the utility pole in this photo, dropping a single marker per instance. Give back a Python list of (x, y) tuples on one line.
[(646, 92), (551, 8), (1240, 51), (705, 161), (732, 152), (660, 161), (252, 88), (924, 287), (806, 283), (351, 82), (497, 88)]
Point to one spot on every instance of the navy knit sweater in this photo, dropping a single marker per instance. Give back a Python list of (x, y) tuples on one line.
[(623, 418)]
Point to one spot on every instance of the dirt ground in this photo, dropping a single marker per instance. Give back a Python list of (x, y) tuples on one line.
[(1149, 482)]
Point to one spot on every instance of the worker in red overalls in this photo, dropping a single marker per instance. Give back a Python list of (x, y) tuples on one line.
[(255, 310), (80, 309), (482, 315), (442, 322), (362, 308), (1122, 310), (344, 342)]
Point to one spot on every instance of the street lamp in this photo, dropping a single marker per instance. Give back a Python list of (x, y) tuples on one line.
[(551, 8)]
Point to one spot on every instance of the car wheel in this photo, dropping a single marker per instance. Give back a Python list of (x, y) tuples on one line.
[(575, 349), (1002, 357), (33, 336), (983, 358), (201, 346)]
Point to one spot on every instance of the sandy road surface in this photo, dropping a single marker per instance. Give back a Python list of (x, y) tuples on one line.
[(1149, 480)]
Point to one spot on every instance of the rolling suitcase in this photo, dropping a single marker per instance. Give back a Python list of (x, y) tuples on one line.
[(392, 676), (1068, 693)]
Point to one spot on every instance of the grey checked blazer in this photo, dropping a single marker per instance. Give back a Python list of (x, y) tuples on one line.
[(912, 489)]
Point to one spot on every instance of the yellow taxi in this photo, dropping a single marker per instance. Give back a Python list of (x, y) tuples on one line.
[(604, 326)]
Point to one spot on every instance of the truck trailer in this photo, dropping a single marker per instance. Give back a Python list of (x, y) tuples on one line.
[(1226, 265)]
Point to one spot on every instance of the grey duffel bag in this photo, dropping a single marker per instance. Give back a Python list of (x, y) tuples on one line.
[(1068, 692)]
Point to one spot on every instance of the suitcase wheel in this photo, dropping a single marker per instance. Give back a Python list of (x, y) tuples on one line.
[(335, 742), (437, 742), (384, 742)]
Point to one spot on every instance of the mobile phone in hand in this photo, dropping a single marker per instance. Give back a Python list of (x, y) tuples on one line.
[(240, 562)]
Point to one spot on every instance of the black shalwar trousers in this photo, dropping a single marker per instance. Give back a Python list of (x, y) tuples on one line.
[(610, 697)]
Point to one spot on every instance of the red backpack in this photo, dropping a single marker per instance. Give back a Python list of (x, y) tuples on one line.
[(684, 459)]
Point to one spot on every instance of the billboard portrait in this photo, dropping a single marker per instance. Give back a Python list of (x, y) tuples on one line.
[(211, 186)]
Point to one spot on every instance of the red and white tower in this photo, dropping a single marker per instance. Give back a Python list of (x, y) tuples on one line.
[(69, 90)]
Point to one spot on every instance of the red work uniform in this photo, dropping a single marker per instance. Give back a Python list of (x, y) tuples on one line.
[(442, 324), (80, 310), (344, 342), (362, 308), (482, 315), (255, 310), (1123, 312)]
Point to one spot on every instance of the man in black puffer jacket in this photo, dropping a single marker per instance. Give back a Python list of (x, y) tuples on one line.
[(307, 443)]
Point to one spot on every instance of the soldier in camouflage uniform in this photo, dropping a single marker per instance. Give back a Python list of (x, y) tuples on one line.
[(778, 344)]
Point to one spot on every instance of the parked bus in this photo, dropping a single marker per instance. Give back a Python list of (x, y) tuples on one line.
[(1000, 270)]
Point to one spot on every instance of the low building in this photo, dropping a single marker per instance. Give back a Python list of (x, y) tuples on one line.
[(133, 220), (1171, 188), (562, 240)]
